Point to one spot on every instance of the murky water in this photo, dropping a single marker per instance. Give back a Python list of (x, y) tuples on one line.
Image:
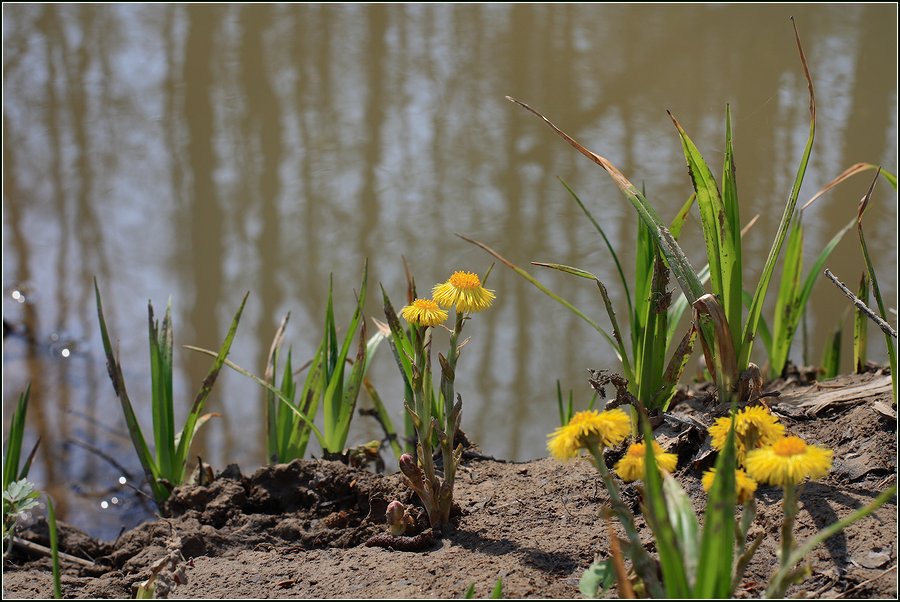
[(204, 151)]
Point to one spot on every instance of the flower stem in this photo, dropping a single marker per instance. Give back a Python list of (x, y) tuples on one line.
[(787, 527)]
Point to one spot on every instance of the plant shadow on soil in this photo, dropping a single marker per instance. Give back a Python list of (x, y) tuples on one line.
[(298, 529)]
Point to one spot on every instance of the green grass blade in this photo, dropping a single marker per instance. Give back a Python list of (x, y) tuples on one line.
[(187, 432), (308, 403), (275, 420), (335, 400), (684, 523), (713, 579), (609, 246), (861, 327), (114, 368), (537, 284), (617, 342), (876, 290), (831, 358), (497, 592), (674, 577), (724, 264), (285, 423), (677, 363), (759, 296), (14, 442), (649, 371), (161, 394), (263, 384), (787, 302), (54, 548), (678, 262)]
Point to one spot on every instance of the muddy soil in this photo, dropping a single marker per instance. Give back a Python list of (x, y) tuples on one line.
[(298, 529)]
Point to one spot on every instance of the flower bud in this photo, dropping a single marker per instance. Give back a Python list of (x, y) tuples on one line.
[(395, 517)]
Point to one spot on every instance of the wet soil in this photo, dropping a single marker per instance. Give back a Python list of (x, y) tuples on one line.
[(298, 529)]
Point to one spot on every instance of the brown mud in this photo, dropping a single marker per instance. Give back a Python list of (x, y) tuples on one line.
[(298, 529)]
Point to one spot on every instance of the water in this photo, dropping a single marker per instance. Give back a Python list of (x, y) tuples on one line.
[(199, 152)]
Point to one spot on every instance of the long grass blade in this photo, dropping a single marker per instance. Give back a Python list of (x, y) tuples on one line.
[(718, 233), (684, 523), (876, 290), (678, 262), (609, 246), (851, 171), (263, 384), (14, 442), (619, 345), (187, 432), (114, 368), (717, 541), (537, 284), (675, 578), (275, 422), (677, 363), (54, 548), (762, 287), (831, 358)]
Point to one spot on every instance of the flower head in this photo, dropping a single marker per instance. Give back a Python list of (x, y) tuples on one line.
[(423, 312), (464, 291), (631, 466), (787, 462), (754, 426), (601, 428), (744, 485)]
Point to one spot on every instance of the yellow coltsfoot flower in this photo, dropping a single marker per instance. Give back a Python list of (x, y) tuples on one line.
[(754, 426), (464, 292), (631, 466), (787, 462), (603, 429), (744, 485), (423, 312)]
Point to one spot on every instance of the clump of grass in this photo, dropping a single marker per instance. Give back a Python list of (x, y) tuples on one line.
[(19, 495), (289, 417), (726, 336), (164, 469)]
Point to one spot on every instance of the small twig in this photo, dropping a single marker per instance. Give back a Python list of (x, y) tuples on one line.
[(867, 582), (39, 549), (884, 326)]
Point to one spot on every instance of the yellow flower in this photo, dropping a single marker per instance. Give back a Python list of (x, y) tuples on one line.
[(423, 312), (754, 427), (602, 428), (631, 466), (745, 485), (464, 291), (787, 462)]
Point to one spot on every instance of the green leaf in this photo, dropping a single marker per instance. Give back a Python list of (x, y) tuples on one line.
[(713, 578), (54, 549), (876, 290), (11, 470), (675, 579), (684, 522), (470, 592), (831, 357), (597, 578), (151, 470), (609, 246), (497, 592), (187, 432)]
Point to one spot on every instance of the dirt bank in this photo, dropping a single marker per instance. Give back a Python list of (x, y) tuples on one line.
[(296, 530)]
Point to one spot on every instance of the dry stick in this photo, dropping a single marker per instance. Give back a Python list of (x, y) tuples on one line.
[(884, 326), (867, 582), (39, 549)]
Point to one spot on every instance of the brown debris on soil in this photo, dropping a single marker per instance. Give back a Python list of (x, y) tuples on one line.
[(297, 530)]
